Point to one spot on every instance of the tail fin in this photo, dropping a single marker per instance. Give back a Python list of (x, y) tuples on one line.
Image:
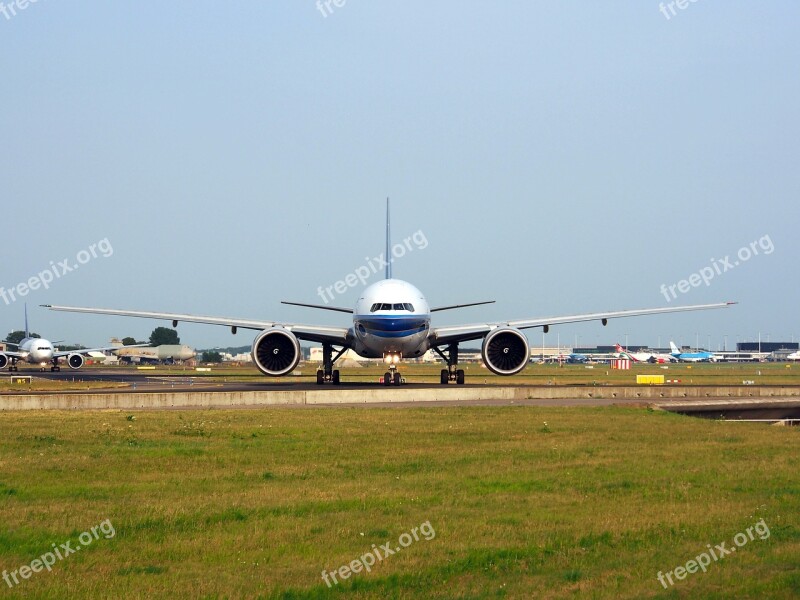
[(618, 348), (388, 255), (674, 348), (27, 331)]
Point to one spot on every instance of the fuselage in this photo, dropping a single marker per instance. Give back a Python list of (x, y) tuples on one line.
[(391, 317), (37, 351), (695, 356)]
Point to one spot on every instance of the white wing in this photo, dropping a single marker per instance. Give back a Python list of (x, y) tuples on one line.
[(89, 350), (312, 333), (462, 333)]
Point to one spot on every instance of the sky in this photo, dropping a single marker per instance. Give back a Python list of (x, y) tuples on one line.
[(557, 157)]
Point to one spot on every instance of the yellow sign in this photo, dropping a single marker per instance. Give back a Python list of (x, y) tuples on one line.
[(650, 379)]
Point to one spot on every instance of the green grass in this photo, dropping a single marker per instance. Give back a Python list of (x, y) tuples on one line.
[(256, 503)]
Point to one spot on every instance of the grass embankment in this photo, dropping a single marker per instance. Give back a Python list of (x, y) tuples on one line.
[(525, 502)]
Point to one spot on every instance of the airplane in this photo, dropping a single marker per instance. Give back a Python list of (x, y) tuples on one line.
[(649, 357), (572, 358), (163, 353), (39, 351), (702, 356), (793, 356), (391, 320)]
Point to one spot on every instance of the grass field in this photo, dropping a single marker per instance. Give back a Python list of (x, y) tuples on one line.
[(523, 502)]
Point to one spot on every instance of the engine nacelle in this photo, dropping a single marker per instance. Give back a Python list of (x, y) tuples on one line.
[(75, 361), (505, 351), (3, 360), (276, 352)]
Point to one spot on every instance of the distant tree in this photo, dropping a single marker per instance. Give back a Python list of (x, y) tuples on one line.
[(15, 337), (212, 356), (128, 341), (72, 348), (164, 336)]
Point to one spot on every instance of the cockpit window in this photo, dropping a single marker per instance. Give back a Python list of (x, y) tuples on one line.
[(395, 306)]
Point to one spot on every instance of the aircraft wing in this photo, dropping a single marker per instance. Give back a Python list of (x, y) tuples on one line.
[(11, 354), (463, 333), (312, 333), (61, 353)]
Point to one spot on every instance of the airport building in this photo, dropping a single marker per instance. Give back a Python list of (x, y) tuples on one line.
[(767, 346)]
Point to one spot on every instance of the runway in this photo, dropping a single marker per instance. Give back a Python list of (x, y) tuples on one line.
[(171, 391)]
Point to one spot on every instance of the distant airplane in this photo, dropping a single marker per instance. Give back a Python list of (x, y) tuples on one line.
[(391, 320), (702, 356), (165, 352), (649, 357), (794, 356), (571, 358), (40, 352)]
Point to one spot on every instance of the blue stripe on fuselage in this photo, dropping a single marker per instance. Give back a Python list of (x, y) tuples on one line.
[(392, 325)]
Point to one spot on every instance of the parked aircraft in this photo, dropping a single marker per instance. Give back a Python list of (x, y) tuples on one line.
[(163, 353), (649, 357), (391, 320), (701, 356)]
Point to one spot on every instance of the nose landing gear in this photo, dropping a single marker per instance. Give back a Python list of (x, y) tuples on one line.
[(392, 376)]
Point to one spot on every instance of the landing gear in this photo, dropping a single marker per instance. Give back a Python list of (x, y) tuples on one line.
[(55, 366), (452, 372), (13, 366), (327, 372), (392, 376)]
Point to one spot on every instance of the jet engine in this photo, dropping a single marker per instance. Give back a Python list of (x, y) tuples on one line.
[(3, 360), (276, 352), (75, 361), (505, 351)]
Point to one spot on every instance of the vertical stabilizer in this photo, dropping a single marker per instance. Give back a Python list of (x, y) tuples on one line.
[(388, 255), (27, 331)]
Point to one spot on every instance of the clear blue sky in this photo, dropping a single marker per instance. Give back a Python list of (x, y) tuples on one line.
[(559, 157)]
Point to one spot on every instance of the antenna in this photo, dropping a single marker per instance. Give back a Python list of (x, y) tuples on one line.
[(388, 256)]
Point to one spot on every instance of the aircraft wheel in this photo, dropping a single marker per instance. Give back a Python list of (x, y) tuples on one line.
[(460, 377), (336, 377), (397, 378), (320, 377), (444, 377), (387, 378)]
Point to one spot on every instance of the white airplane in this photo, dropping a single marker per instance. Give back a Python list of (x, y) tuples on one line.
[(793, 356), (391, 320), (40, 352), (648, 357)]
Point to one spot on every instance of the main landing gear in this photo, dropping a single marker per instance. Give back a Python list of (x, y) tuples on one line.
[(452, 372), (327, 373), (13, 366), (55, 366)]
